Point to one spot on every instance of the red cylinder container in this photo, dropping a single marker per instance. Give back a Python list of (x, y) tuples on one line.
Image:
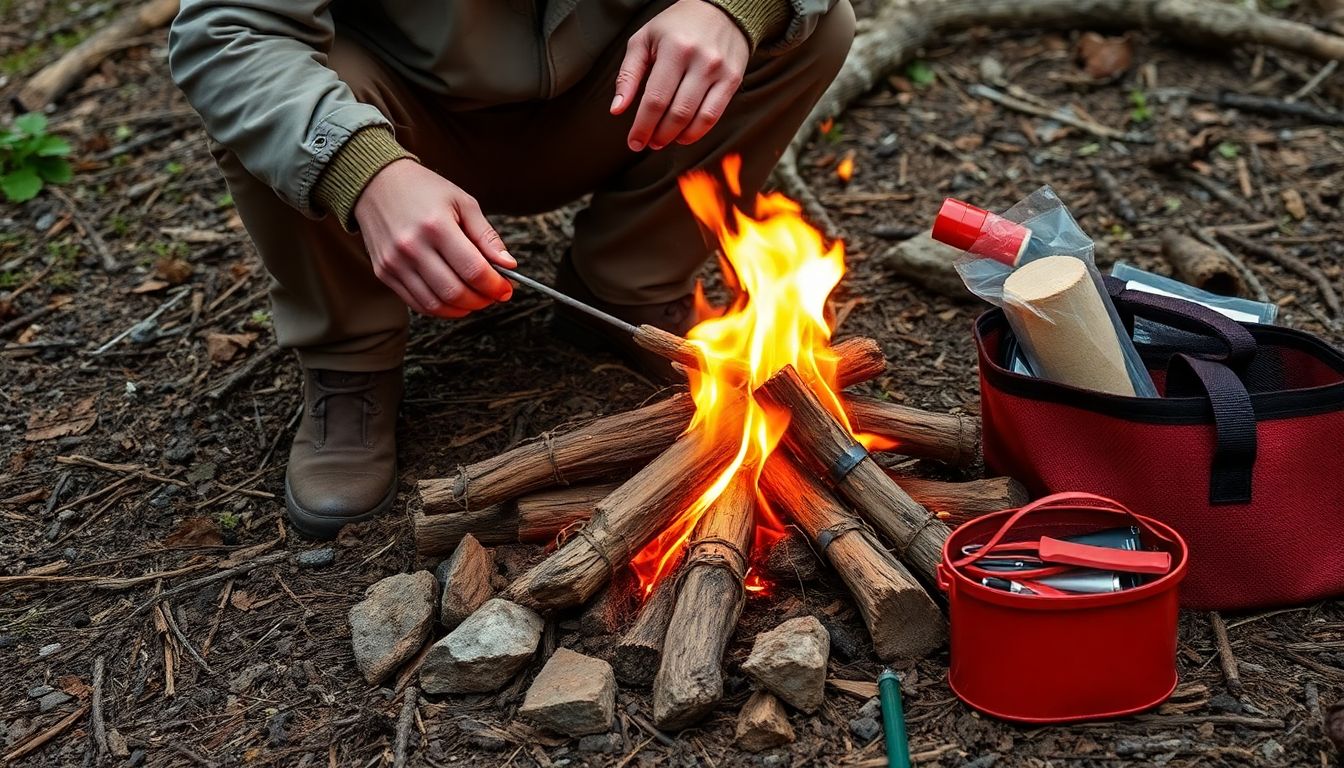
[(1053, 659)]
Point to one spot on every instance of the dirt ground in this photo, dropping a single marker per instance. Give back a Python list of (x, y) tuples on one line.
[(165, 453)]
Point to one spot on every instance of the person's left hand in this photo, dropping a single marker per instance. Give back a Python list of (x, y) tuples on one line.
[(694, 55)]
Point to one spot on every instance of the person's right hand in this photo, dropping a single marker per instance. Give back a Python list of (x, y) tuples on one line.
[(430, 243)]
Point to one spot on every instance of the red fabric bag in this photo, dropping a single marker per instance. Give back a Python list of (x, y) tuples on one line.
[(1242, 454)]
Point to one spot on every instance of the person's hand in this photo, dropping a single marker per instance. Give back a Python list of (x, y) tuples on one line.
[(694, 55), (430, 243)]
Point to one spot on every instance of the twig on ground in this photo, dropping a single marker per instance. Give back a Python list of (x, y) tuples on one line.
[(243, 373), (96, 711), (36, 742), (167, 610), (90, 232), (1248, 276), (22, 321), (408, 704), (1058, 114), (237, 570), (1123, 208), (139, 470), (1278, 107), (1291, 263), (1221, 193), (172, 301), (1315, 81), (1226, 659)]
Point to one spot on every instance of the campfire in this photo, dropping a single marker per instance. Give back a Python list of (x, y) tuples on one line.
[(765, 435)]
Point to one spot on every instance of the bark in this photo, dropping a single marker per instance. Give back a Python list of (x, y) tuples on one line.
[(901, 617), (637, 656), (955, 503), (1201, 266), (946, 437), (709, 601)]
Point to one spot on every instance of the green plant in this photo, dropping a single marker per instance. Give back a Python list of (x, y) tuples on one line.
[(30, 158), (1228, 150), (920, 73), (228, 521), (1140, 113)]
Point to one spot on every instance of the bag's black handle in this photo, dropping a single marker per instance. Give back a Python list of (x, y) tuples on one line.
[(1233, 420), (1238, 343)]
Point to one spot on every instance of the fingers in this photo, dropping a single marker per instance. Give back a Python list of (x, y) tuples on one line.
[(684, 108), (475, 282), (484, 236), (633, 68), (711, 109), (668, 70)]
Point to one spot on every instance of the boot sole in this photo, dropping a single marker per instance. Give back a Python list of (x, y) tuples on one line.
[(326, 527)]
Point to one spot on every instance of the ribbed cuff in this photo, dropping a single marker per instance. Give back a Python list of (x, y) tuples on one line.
[(760, 20), (347, 173)]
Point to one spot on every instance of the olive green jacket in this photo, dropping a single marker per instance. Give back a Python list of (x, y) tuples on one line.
[(256, 71)]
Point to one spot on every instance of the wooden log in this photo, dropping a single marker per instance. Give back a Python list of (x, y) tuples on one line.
[(545, 514), (946, 437), (600, 447), (955, 503), (901, 617), (824, 445), (709, 601), (606, 614), (638, 654), (624, 522), (1201, 266), (59, 76)]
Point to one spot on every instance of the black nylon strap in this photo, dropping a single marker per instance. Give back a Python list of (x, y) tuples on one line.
[(1238, 343), (1234, 423)]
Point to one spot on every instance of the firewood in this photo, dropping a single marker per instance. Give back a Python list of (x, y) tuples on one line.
[(638, 654), (600, 447), (823, 444), (607, 613), (59, 76), (946, 437), (955, 503), (1201, 266), (901, 617), (624, 522), (709, 601)]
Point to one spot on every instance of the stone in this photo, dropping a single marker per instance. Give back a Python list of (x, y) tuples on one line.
[(871, 708), (465, 579), (1225, 703), (38, 691), (846, 642), (52, 700), (116, 744), (484, 652), (775, 761), (790, 662), (865, 729), (574, 695), (137, 758), (763, 723), (48, 649), (315, 558), (606, 742), (1272, 750), (392, 622)]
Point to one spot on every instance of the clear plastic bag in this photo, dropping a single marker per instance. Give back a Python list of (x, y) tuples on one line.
[(1147, 332), (1036, 263)]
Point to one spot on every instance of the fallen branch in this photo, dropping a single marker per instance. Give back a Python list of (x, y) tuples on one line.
[(40, 740), (1279, 107), (1289, 262), (956, 503), (946, 437), (638, 655), (1199, 265), (61, 75)]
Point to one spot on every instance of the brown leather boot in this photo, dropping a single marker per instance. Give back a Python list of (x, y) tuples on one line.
[(343, 464), (676, 316)]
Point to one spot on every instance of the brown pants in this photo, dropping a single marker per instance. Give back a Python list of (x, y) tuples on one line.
[(636, 243)]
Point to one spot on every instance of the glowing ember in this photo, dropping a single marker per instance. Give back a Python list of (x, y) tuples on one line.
[(780, 272), (845, 170)]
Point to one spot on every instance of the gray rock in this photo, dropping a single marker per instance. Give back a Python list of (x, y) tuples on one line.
[(1272, 750), (775, 761), (573, 694), (790, 662), (52, 700), (315, 558), (871, 708), (484, 652), (47, 650), (606, 743), (8, 641), (865, 728), (38, 691), (1225, 703), (392, 622)]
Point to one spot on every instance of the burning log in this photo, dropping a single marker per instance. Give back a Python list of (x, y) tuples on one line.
[(624, 522), (902, 619), (600, 447), (822, 443), (946, 437), (955, 503), (709, 601), (640, 650)]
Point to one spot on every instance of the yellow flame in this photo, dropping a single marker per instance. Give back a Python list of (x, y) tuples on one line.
[(845, 170), (781, 273)]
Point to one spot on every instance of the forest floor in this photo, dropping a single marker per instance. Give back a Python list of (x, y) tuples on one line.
[(184, 425)]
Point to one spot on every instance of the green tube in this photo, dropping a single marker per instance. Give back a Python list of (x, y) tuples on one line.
[(893, 719)]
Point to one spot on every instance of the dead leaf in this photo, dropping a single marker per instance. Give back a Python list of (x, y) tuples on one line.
[(195, 532), (223, 347), (1292, 201), (174, 270), (1104, 57), (75, 419), (150, 285), (72, 685), (29, 334), (241, 600)]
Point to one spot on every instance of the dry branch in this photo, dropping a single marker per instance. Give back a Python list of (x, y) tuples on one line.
[(637, 655), (61, 75), (823, 444), (601, 447), (1201, 266), (946, 437), (955, 503), (709, 601), (532, 519), (624, 522), (902, 619)]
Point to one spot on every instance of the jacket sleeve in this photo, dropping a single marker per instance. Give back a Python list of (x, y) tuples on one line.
[(256, 71), (775, 26)]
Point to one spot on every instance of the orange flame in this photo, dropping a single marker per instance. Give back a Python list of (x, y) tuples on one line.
[(845, 170), (780, 273)]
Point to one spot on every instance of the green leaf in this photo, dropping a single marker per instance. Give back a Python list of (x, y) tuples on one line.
[(1228, 150), (20, 185), (54, 169), (920, 73), (1087, 150), (53, 146), (9, 138), (33, 123)]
